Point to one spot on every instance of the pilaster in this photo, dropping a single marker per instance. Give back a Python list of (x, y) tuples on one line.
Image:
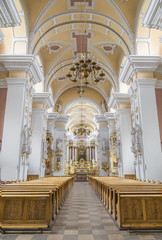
[(148, 120), (124, 157), (113, 162), (17, 116), (60, 144), (38, 157), (103, 144)]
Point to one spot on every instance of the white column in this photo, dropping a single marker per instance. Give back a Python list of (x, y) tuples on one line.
[(121, 102), (95, 152), (150, 129), (112, 129), (127, 157), (35, 158), (13, 127), (67, 153)]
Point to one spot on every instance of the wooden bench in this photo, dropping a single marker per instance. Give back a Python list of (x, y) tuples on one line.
[(131, 203), (32, 204)]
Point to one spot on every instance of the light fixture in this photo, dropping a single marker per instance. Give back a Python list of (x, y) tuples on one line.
[(81, 130), (85, 67)]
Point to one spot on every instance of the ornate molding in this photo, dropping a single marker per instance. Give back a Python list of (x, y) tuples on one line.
[(100, 119), (136, 64), (152, 18), (3, 83), (9, 16), (109, 48), (73, 4), (110, 117), (62, 119), (158, 84), (118, 98), (17, 81), (22, 63), (1, 36), (52, 116), (43, 98), (53, 47), (146, 81)]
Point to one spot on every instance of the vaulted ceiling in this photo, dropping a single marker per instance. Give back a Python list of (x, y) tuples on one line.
[(56, 30)]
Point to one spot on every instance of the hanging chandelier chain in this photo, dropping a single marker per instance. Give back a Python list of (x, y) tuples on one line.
[(85, 67)]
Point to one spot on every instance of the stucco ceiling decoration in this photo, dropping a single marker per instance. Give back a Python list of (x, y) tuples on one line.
[(109, 48), (53, 48), (63, 24), (72, 4), (61, 78), (82, 112), (81, 41)]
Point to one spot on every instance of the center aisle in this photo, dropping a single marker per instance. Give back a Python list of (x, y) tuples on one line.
[(83, 217)]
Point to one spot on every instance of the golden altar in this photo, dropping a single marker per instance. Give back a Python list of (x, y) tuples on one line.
[(82, 169)]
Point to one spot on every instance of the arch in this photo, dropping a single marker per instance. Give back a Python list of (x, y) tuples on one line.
[(78, 99), (75, 86)]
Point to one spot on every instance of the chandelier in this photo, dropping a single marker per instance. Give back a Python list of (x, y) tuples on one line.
[(85, 67), (81, 130)]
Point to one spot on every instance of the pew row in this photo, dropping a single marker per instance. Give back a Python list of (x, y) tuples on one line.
[(132, 204), (33, 204)]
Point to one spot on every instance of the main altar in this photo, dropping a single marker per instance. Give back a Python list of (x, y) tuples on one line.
[(82, 168), (82, 160)]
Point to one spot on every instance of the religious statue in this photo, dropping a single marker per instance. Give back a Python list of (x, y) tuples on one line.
[(27, 138), (133, 132), (59, 106), (117, 149), (138, 138), (45, 150), (105, 146), (58, 144), (103, 105)]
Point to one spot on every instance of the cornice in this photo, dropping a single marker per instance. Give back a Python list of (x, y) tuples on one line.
[(122, 110), (110, 117), (146, 81), (43, 98), (117, 98), (22, 63), (136, 64), (62, 119), (100, 119), (1, 36), (16, 81), (9, 16), (158, 84), (52, 116), (3, 83), (152, 18)]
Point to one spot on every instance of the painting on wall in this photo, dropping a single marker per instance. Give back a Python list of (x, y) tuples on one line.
[(81, 153)]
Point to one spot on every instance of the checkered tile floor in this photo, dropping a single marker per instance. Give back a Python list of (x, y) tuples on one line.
[(83, 217)]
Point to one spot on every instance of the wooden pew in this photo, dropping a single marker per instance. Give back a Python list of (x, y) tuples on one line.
[(32, 204), (123, 198)]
